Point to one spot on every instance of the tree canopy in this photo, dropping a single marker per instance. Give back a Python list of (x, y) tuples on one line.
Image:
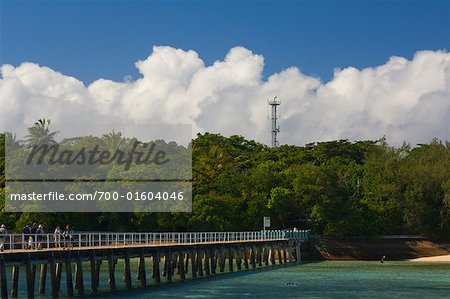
[(336, 188)]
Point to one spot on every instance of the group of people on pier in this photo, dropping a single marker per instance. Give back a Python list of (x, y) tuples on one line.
[(33, 235)]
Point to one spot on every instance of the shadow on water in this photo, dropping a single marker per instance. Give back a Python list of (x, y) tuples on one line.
[(178, 283)]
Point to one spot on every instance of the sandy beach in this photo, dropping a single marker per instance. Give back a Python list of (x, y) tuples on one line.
[(439, 258)]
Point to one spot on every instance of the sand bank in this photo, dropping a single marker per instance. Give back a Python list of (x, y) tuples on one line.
[(439, 258)]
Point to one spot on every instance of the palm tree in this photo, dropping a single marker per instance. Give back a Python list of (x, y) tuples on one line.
[(11, 141), (113, 141), (39, 134)]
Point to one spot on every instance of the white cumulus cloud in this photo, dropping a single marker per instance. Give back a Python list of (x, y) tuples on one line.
[(404, 100)]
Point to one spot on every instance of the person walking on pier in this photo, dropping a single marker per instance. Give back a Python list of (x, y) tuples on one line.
[(67, 234), (57, 237), (39, 233), (3, 233), (33, 230), (26, 236)]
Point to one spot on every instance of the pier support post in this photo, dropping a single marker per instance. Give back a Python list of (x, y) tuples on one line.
[(79, 275), (168, 265), (222, 260), (127, 270), (213, 258), (266, 255), (260, 255), (193, 263), (246, 257), (69, 283), (238, 251), (230, 259), (200, 262), (181, 266), (93, 272), (298, 253), (30, 276), (42, 278), (284, 255), (3, 281), (15, 281), (291, 257), (141, 270), (58, 270), (156, 271), (53, 282), (111, 271), (186, 263), (207, 272), (98, 264), (280, 258), (272, 255), (253, 258)]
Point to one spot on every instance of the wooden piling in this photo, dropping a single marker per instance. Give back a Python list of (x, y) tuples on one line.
[(156, 271), (111, 271), (30, 276), (291, 258), (207, 266), (259, 255), (3, 280), (246, 257), (174, 263), (181, 265), (239, 258), (69, 282), (127, 270), (272, 255), (42, 278), (284, 255), (266, 255), (200, 262), (98, 265), (230, 259), (15, 281), (253, 258), (213, 258), (168, 262), (298, 253), (93, 263), (141, 270), (193, 263), (53, 278), (58, 271), (79, 275), (280, 258), (186, 263), (221, 260)]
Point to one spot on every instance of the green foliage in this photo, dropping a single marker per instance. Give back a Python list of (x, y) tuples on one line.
[(337, 188)]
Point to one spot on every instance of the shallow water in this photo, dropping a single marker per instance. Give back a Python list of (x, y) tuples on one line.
[(316, 280), (328, 279)]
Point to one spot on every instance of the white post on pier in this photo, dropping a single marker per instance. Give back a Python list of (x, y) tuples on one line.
[(266, 223)]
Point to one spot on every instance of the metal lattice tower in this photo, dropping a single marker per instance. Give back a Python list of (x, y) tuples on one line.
[(274, 116)]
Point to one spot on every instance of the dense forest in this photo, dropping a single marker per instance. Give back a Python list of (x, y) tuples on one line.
[(336, 188)]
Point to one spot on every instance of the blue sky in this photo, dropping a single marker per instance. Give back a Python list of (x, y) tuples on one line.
[(94, 39)]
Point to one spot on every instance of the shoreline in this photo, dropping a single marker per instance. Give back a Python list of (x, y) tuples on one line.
[(432, 259)]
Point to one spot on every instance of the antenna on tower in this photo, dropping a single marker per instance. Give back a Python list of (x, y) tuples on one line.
[(274, 116)]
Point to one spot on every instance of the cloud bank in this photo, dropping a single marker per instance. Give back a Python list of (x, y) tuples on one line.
[(404, 100)]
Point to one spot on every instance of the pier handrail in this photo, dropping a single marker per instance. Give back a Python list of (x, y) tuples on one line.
[(47, 241)]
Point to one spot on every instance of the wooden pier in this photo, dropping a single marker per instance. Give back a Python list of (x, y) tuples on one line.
[(175, 254)]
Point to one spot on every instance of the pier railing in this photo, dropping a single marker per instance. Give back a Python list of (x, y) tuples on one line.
[(108, 239)]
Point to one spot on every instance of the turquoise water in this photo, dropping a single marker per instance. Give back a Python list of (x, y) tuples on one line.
[(328, 279), (314, 280)]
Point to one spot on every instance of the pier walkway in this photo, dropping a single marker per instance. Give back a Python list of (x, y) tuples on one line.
[(164, 254)]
